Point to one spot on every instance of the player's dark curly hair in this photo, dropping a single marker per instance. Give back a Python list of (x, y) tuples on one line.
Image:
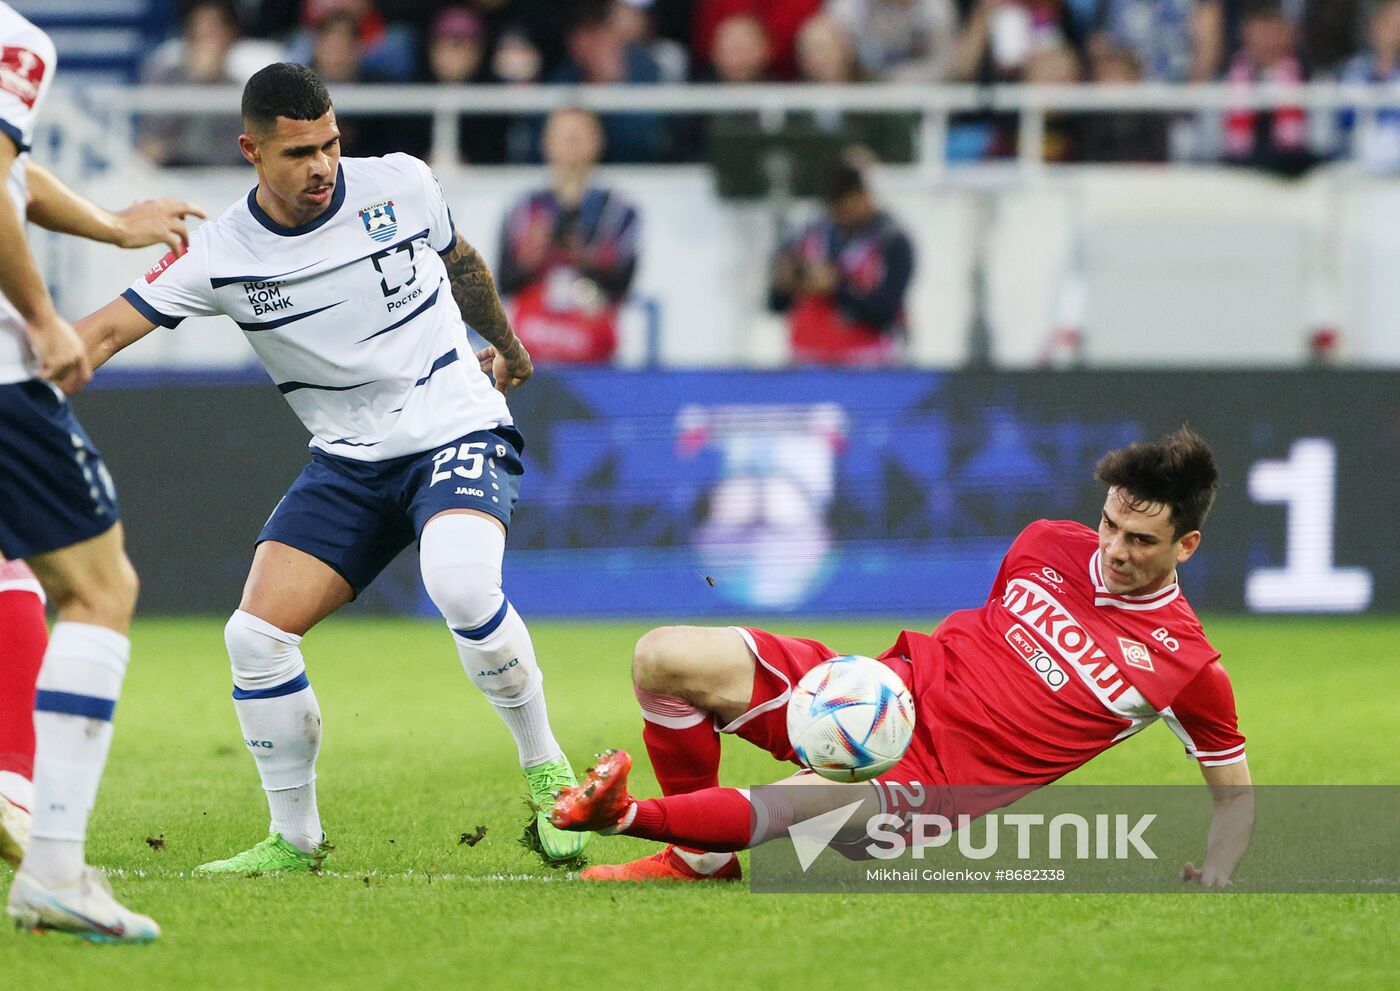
[(1177, 471), (283, 89)]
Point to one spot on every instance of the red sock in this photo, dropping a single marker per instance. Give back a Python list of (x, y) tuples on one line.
[(714, 819), (681, 742), (24, 635)]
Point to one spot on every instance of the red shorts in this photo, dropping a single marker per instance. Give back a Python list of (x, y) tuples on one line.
[(781, 663)]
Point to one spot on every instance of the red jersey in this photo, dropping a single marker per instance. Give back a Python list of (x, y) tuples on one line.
[(1054, 669)]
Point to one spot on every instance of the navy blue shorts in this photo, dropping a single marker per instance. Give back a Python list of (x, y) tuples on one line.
[(56, 490), (357, 515)]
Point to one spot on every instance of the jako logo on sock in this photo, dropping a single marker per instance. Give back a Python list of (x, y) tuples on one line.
[(500, 670), (262, 744)]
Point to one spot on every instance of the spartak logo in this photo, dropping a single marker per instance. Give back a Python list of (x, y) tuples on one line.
[(1135, 655)]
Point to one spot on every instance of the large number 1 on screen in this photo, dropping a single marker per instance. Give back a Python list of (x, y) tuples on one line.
[(1309, 580)]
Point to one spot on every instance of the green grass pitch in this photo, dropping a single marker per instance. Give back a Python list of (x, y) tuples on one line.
[(414, 758)]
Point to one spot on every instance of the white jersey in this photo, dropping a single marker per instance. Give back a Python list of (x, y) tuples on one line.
[(351, 313), (26, 69)]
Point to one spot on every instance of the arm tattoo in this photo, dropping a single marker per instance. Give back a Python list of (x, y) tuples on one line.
[(475, 293)]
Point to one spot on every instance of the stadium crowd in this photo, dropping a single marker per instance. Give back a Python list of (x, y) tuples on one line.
[(647, 42)]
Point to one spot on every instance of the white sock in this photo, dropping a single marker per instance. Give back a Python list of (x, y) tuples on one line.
[(502, 664), (78, 689), (295, 816), (281, 722), (460, 558)]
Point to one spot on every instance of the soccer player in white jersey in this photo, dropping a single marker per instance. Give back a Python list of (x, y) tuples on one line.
[(351, 284), (60, 516)]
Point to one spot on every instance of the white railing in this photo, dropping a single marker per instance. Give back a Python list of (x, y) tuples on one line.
[(934, 103)]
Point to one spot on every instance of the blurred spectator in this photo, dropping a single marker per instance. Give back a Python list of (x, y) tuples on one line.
[(599, 54), (900, 40), (337, 57), (517, 59), (843, 279), (568, 253), (825, 53), (1373, 136), (1058, 66), (1120, 136), (1000, 37), (781, 20), (386, 50), (456, 55), (740, 52), (208, 52), (1173, 41), (536, 25), (635, 23), (1272, 139)]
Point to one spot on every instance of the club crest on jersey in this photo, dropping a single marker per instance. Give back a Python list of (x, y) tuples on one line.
[(380, 222), (1135, 655)]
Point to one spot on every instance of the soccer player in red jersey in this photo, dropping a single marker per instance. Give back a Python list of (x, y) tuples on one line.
[(1085, 640), (24, 635)]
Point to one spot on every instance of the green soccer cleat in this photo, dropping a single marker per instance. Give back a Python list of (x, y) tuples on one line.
[(545, 781), (273, 855)]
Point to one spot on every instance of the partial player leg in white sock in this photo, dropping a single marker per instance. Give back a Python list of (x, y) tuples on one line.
[(78, 689), (460, 558), (281, 722)]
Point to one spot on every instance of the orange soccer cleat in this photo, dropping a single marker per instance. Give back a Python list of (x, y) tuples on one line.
[(668, 865), (600, 801)]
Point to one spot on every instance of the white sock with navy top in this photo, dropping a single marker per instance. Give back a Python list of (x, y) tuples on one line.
[(281, 722), (460, 557), (78, 688)]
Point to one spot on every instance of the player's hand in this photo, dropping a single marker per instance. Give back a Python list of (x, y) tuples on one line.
[(507, 371), (62, 357), (1206, 877), (156, 221)]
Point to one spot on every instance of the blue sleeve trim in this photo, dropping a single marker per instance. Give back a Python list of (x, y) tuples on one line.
[(70, 704), (14, 134), (297, 684), (150, 312)]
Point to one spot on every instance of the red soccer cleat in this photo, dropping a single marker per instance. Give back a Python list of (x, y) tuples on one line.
[(664, 866), (600, 801)]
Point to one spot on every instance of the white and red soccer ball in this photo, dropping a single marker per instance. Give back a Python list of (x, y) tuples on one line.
[(850, 718)]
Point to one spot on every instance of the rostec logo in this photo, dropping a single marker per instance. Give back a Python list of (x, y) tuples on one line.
[(21, 72), (1055, 628), (1042, 663), (1135, 654), (155, 271)]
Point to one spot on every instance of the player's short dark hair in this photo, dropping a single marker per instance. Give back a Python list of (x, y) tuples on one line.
[(283, 89), (1177, 471)]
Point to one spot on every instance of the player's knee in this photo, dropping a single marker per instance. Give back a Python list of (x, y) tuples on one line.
[(467, 596), (261, 656), (660, 662), (106, 596)]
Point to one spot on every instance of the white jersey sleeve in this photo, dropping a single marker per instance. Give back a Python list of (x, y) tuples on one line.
[(442, 232), (176, 287), (27, 63)]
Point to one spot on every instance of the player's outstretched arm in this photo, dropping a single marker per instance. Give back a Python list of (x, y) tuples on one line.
[(1231, 825), (108, 330), (55, 207), (475, 293), (57, 348)]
